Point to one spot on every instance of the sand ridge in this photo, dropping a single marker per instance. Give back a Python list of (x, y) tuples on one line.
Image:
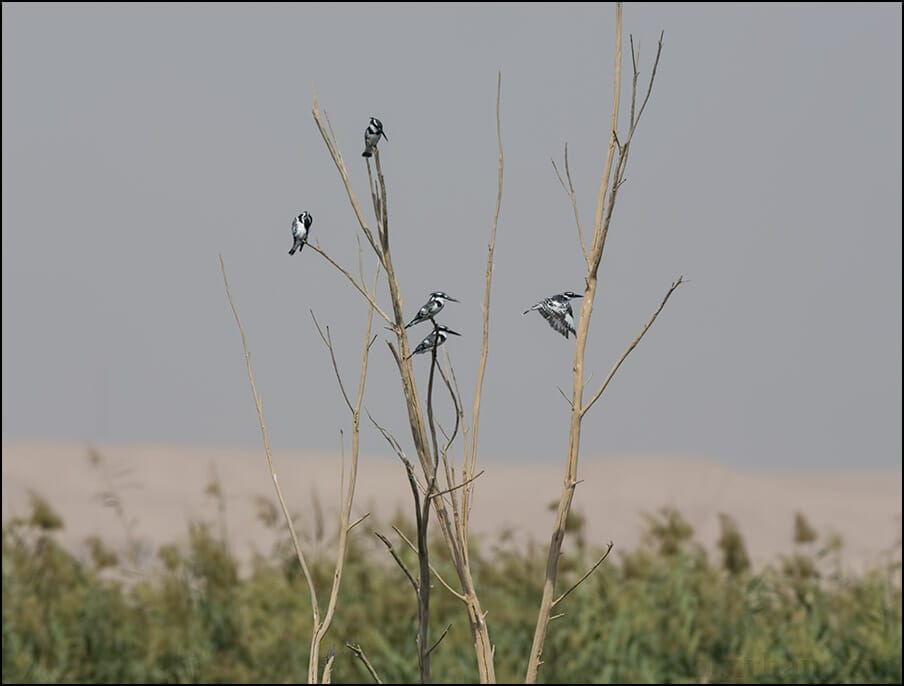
[(162, 488)]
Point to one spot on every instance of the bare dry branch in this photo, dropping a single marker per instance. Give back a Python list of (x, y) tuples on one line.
[(437, 642), (600, 230), (393, 442), (328, 667), (343, 172), (359, 653), (358, 521), (321, 629), (418, 425), (328, 341), (373, 303), (569, 190), (567, 399), (432, 569), (581, 580), (631, 347), (398, 559), (260, 415), (470, 462), (456, 487), (610, 182), (650, 85)]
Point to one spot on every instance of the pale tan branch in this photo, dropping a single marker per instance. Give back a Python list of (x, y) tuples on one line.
[(470, 460), (328, 667), (343, 172), (599, 235), (570, 192), (328, 341), (634, 76), (260, 415), (564, 506), (631, 347), (359, 653), (581, 580), (652, 79), (567, 399), (358, 521), (389, 438), (456, 487), (345, 515), (358, 287), (432, 569)]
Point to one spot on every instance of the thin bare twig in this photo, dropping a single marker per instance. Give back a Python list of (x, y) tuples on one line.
[(652, 79), (343, 172), (567, 399), (432, 569), (373, 303), (456, 487), (398, 559), (470, 462), (631, 347), (581, 580), (359, 653), (328, 341), (569, 190), (437, 641), (358, 521), (393, 442), (321, 629), (260, 415)]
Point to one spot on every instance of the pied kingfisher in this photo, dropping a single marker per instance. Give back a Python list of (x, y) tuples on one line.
[(556, 310), (372, 136), (300, 227), (434, 340), (431, 308)]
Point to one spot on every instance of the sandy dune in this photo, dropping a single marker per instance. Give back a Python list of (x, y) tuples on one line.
[(164, 487)]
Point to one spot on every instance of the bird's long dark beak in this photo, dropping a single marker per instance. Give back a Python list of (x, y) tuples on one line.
[(455, 300), (453, 332)]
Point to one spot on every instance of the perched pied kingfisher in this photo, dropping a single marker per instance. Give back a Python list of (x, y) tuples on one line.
[(434, 340), (556, 310), (431, 308), (300, 227), (372, 136)]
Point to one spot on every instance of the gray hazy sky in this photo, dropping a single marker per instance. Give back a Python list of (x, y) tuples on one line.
[(141, 141)]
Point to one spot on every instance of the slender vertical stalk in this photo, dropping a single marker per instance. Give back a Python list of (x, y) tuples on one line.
[(574, 439)]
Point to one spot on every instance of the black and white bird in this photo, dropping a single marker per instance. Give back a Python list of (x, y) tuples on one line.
[(434, 340), (556, 310), (300, 227), (431, 308), (372, 136)]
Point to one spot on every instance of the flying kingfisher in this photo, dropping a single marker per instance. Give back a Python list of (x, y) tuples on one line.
[(372, 136), (431, 308), (300, 227), (556, 310), (434, 340)]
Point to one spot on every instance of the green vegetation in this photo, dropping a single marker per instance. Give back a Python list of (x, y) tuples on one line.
[(664, 612)]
